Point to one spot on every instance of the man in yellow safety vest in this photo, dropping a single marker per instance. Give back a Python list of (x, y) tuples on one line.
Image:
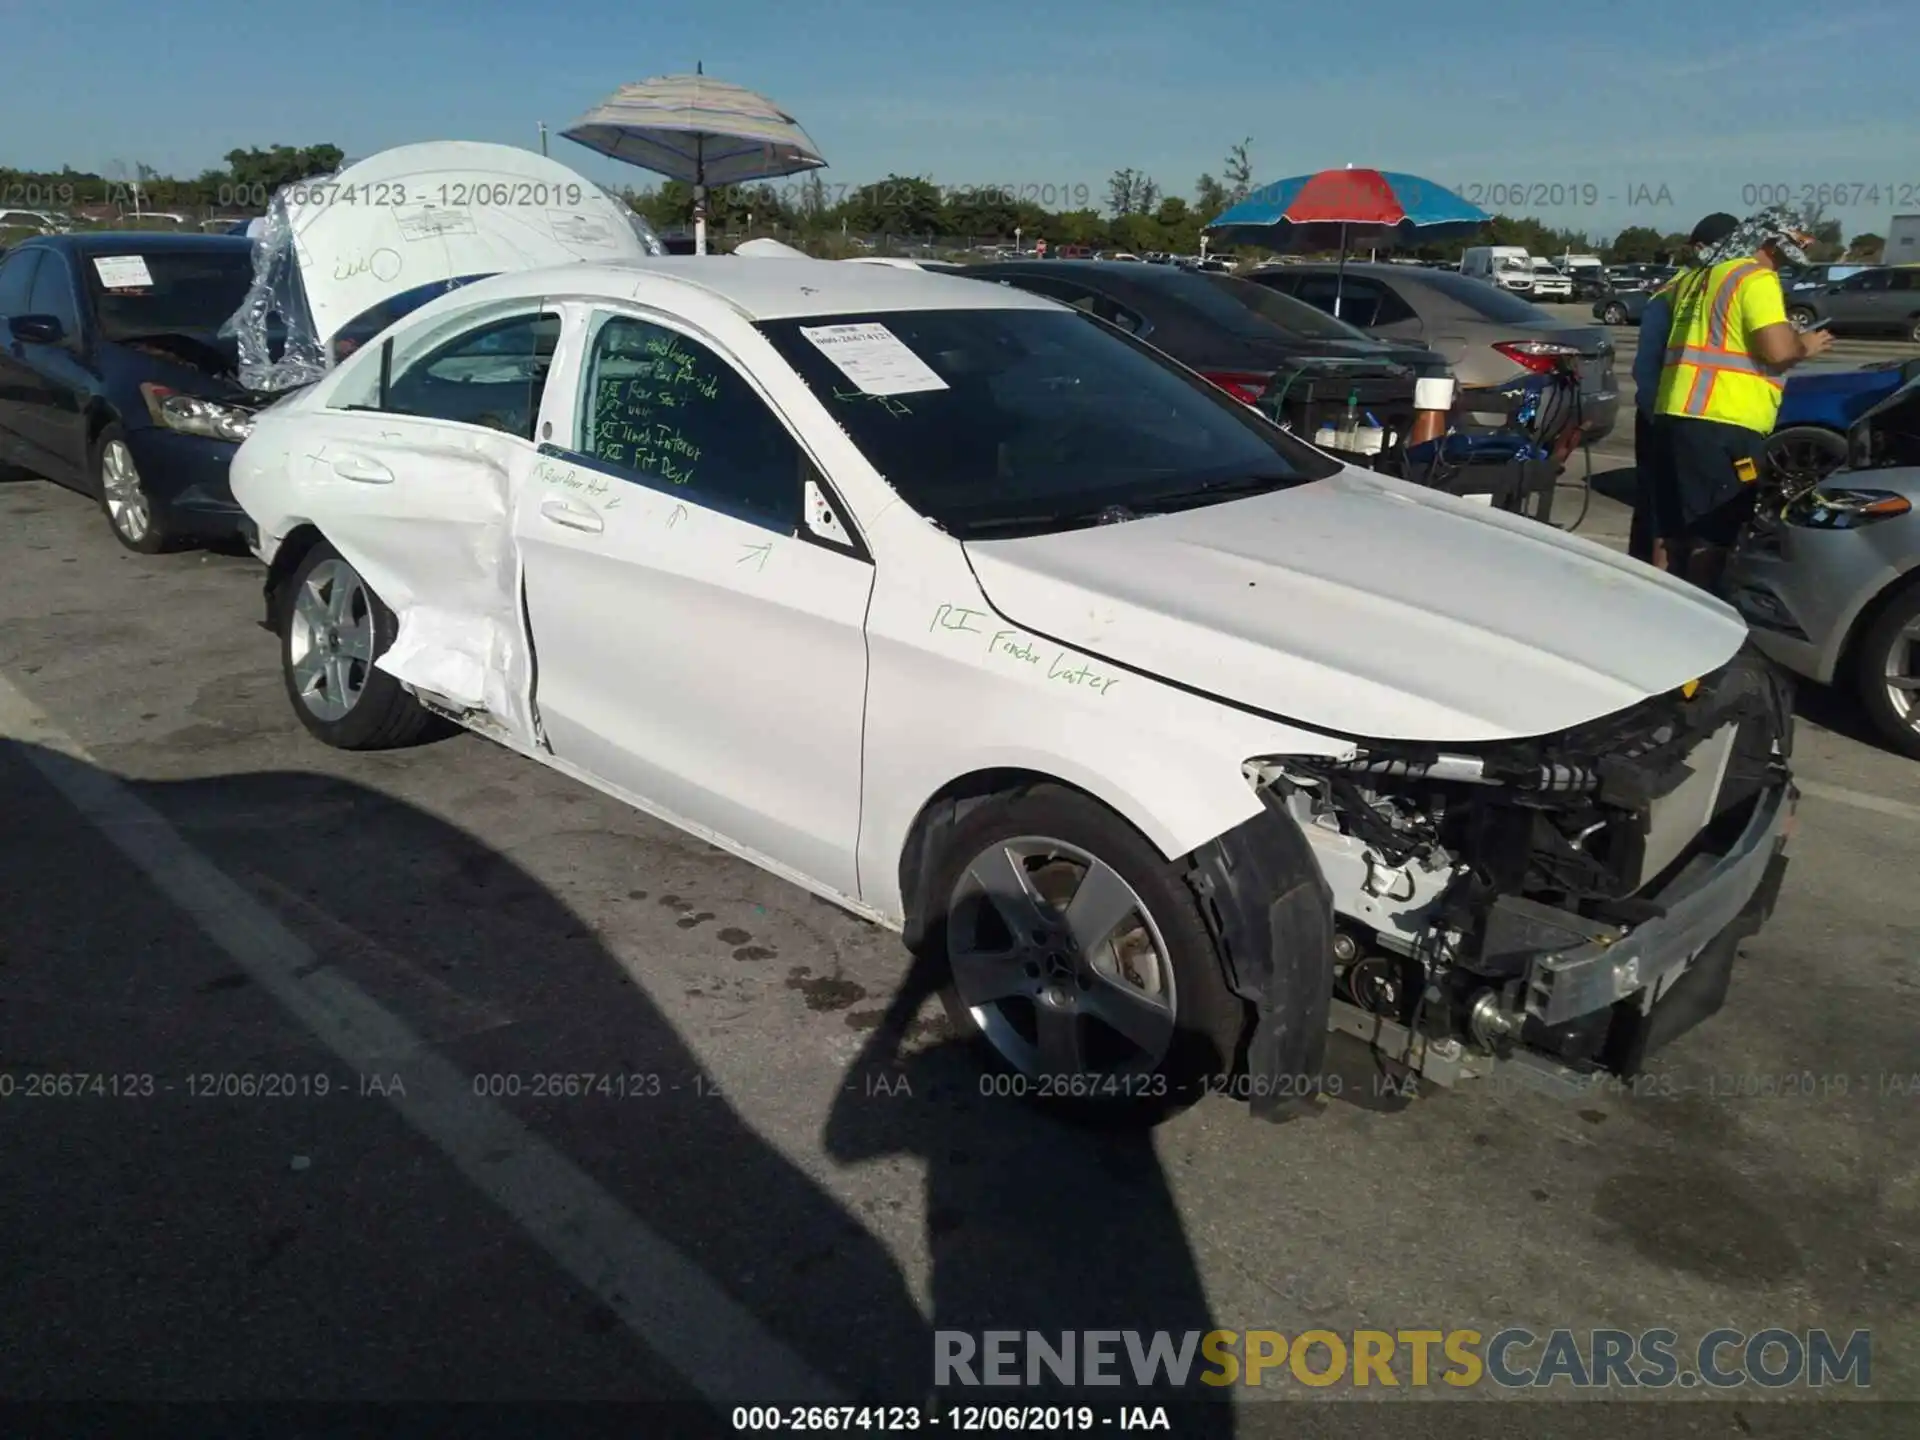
[(1727, 347)]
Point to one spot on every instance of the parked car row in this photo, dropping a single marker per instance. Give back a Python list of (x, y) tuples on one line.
[(1240, 721), (1876, 300)]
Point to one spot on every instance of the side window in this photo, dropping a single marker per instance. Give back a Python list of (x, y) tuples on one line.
[(16, 281), (53, 294), (1393, 308), (1359, 299), (664, 406), (1906, 279), (492, 376), (1870, 280)]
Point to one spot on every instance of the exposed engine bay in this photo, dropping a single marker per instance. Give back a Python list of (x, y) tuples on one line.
[(1478, 891)]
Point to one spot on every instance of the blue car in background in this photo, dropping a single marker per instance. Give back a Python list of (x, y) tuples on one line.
[(114, 380), (1819, 426)]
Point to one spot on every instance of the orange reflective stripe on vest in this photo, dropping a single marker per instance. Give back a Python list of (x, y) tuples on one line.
[(1707, 371)]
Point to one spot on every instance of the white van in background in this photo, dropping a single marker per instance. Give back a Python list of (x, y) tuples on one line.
[(1508, 266)]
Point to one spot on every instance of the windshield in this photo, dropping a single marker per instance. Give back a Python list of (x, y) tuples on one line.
[(160, 292), (1285, 311), (1040, 418), (1481, 298)]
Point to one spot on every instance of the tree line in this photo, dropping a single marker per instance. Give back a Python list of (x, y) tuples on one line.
[(1132, 211)]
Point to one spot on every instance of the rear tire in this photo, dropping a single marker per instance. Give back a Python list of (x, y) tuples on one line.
[(1146, 963), (1887, 672), (137, 520), (1913, 330), (332, 628), (1615, 314)]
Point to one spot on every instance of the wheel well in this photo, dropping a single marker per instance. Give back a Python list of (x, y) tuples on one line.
[(286, 560), (942, 812), (1869, 615)]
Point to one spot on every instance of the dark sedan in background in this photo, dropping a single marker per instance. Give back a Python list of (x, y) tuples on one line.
[(115, 382), (1259, 346), (1489, 337)]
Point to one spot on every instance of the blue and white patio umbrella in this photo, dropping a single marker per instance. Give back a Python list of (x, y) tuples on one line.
[(698, 130)]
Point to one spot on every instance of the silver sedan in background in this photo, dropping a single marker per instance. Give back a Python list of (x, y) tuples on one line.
[(1831, 588)]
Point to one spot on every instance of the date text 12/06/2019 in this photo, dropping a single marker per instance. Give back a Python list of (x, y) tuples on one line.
[(1560, 195), (960, 1419), (900, 193)]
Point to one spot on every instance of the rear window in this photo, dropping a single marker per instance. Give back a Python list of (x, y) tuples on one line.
[(1482, 299), (165, 292), (1283, 310), (1026, 421)]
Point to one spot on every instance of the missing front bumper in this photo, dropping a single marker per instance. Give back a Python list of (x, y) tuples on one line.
[(1647, 985)]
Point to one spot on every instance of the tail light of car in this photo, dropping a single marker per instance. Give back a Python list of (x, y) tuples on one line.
[(1542, 357), (1246, 386)]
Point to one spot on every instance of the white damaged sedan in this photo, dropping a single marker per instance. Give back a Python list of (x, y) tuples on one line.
[(1175, 743)]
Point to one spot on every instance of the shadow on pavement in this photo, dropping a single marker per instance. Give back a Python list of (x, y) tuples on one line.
[(164, 1249), (1033, 1224)]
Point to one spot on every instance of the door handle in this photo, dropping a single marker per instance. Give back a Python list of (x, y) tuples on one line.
[(574, 517), (359, 467)]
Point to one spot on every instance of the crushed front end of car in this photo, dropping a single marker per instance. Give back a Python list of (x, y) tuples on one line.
[(1563, 905)]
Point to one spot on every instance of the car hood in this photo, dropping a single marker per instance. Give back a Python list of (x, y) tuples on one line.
[(1367, 607), (421, 214)]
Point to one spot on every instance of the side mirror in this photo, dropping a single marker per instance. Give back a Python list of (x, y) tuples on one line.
[(37, 329)]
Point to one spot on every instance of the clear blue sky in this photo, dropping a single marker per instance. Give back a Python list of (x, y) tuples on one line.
[(1629, 96)]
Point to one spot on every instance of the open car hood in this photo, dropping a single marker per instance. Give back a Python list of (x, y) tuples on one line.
[(334, 247), (1368, 607)]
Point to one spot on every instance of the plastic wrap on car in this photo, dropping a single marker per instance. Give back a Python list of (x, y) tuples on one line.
[(646, 233), (276, 291)]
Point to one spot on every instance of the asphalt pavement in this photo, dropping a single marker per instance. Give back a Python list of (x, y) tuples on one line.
[(432, 1076)]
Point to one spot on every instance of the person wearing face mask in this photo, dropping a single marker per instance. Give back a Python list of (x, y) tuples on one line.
[(1648, 538), (1728, 346)]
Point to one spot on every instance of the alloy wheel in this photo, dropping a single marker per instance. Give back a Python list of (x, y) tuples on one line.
[(1901, 670), (1059, 962), (330, 639), (128, 509)]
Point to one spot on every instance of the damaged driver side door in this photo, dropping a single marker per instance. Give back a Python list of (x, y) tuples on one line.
[(413, 478)]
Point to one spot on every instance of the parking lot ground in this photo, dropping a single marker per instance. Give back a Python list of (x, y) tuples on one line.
[(749, 1182)]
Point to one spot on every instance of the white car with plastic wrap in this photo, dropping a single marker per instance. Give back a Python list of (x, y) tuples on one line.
[(1174, 743)]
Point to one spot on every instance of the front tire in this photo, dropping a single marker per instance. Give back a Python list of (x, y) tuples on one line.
[(1913, 330), (137, 520), (1078, 959), (1800, 317), (1887, 674), (332, 628), (1615, 313)]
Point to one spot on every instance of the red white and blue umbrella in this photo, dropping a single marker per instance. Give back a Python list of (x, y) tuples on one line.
[(1347, 207)]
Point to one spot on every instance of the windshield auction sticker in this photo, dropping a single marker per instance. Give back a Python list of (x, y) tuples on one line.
[(873, 358), (123, 272)]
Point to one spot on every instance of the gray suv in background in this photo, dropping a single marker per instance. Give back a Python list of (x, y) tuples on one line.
[(1488, 337), (1884, 300)]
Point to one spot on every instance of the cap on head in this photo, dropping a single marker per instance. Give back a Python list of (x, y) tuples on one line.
[(1715, 228)]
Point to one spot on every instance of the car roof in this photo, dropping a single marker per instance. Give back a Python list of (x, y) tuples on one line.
[(1111, 272), (152, 242), (770, 288)]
